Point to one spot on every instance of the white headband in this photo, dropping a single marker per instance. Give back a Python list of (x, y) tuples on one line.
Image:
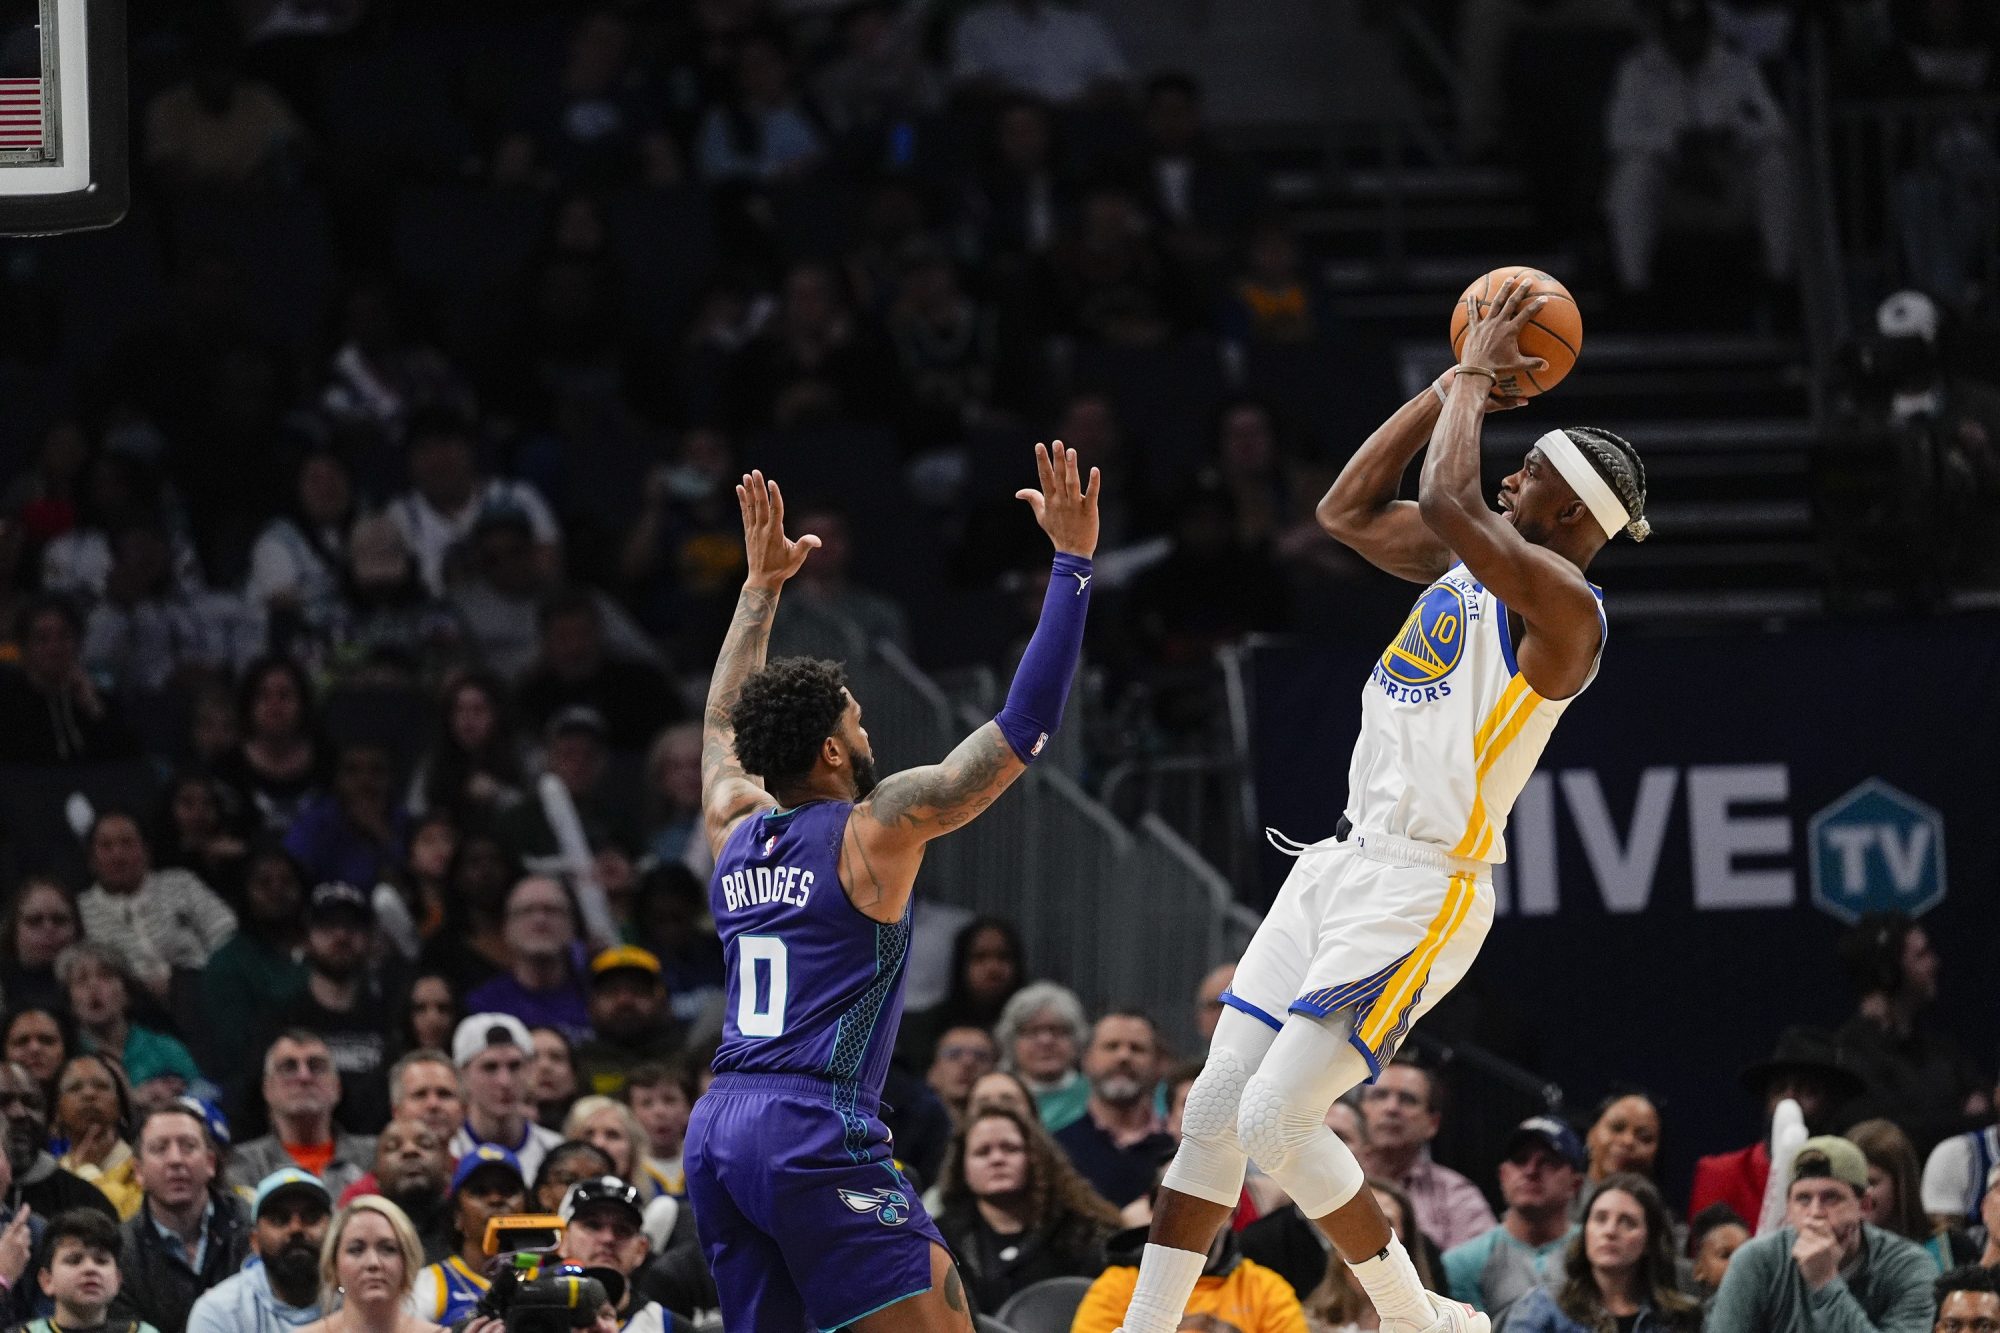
[(1586, 481)]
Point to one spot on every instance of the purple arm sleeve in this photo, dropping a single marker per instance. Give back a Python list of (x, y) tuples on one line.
[(1035, 700)]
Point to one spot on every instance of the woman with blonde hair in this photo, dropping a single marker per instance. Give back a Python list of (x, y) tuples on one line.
[(368, 1267), (1338, 1304), (1894, 1200), (609, 1124)]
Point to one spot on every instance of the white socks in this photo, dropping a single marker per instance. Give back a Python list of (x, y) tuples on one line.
[(1166, 1280), (1390, 1280)]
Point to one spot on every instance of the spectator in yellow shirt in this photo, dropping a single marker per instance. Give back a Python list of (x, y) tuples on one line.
[(1232, 1288)]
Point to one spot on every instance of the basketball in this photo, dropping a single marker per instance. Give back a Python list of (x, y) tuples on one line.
[(1554, 335)]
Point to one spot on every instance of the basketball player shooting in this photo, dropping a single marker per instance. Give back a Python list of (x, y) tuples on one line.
[(1377, 924), (805, 1218)]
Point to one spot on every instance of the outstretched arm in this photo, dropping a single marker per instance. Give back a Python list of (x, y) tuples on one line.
[(728, 794), (1547, 590), (885, 837), (1361, 509)]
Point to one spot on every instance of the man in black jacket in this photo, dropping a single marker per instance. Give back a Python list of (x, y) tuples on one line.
[(190, 1233)]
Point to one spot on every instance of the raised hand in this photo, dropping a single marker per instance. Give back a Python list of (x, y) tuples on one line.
[(1493, 339), (773, 557), (1066, 509), (16, 1247)]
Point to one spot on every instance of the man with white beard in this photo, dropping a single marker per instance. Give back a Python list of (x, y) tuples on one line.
[(1121, 1140)]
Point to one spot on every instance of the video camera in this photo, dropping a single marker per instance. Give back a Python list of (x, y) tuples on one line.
[(533, 1291)]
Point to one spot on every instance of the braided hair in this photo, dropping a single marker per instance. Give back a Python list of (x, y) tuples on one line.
[(1618, 463)]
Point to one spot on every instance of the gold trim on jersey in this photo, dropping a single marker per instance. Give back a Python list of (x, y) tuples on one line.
[(1479, 833)]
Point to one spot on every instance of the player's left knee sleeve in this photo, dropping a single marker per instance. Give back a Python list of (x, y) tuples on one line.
[(1210, 1163), (1290, 1140)]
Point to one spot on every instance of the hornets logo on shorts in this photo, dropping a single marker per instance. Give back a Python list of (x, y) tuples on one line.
[(1427, 647), (891, 1207)]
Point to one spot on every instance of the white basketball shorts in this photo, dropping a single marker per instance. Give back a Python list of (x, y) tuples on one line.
[(1380, 926)]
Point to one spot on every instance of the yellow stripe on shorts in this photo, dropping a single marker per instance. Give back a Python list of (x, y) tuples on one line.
[(1415, 971)]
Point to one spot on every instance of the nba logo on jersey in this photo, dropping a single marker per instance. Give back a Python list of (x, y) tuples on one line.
[(770, 844), (1040, 741), (890, 1206), (1427, 648)]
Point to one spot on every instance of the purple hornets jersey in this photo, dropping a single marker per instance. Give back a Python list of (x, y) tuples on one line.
[(815, 987)]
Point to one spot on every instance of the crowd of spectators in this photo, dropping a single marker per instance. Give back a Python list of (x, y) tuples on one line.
[(372, 523)]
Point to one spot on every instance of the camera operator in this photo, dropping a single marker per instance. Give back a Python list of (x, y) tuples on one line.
[(605, 1220)]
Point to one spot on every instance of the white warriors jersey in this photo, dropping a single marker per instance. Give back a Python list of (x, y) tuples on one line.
[(1450, 730)]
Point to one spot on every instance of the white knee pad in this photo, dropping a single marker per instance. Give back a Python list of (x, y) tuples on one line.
[(1290, 1140), (1210, 1163)]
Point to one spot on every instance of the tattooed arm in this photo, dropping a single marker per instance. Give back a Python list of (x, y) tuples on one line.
[(885, 838), (728, 794)]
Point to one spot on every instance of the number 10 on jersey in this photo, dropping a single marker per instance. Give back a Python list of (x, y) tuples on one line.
[(761, 985)]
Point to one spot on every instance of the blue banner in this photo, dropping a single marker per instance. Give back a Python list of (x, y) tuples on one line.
[(1706, 819)]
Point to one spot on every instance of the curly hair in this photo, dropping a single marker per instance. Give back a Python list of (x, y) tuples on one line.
[(1618, 463), (784, 713), (1057, 1192)]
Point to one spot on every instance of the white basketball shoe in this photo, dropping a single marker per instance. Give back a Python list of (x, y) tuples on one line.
[(1453, 1317)]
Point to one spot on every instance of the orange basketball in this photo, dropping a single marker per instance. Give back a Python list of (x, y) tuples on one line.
[(1554, 335)]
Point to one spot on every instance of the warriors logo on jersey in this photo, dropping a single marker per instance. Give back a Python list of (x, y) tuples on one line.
[(1431, 641)]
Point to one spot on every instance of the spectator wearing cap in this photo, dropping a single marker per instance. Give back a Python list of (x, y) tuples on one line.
[(576, 754), (342, 1001), (1917, 1076), (1968, 1301), (1826, 1269), (448, 496), (1402, 1112), (190, 1232), (1120, 1140), (93, 975), (412, 1170), (355, 833), (491, 1051), (486, 1184), (301, 1088), (605, 1228), (628, 1011), (579, 665), (37, 1181), (1539, 1178), (1805, 1067), (290, 1211), (542, 985)]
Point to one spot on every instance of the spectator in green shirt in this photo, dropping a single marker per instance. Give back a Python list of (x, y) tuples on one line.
[(158, 1067), (259, 969), (1826, 1270), (1539, 1179)]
